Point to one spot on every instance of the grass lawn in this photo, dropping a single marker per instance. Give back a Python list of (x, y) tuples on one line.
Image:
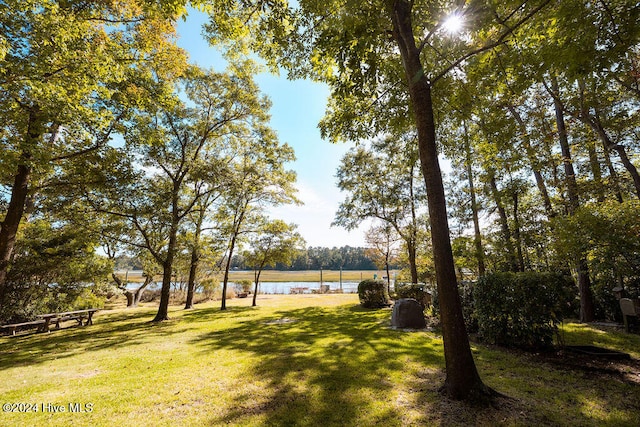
[(309, 360)]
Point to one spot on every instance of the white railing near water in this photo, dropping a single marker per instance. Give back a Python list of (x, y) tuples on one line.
[(311, 287)]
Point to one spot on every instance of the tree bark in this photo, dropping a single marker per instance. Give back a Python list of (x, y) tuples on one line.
[(633, 171), (167, 263), (534, 162), (596, 170), (123, 287), (11, 223), (504, 223), (193, 271), (516, 231), (413, 265), (595, 123), (477, 236), (137, 294), (462, 378), (19, 193), (195, 258), (386, 266), (255, 289), (225, 281), (412, 240), (587, 308), (613, 175)]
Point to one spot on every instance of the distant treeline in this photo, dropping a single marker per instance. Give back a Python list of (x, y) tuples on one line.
[(315, 258)]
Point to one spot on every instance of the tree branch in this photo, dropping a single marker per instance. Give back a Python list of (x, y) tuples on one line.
[(492, 45)]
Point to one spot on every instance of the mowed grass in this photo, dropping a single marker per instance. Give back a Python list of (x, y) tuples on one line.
[(307, 360)]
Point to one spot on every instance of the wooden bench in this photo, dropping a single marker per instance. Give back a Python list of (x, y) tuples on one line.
[(14, 326), (57, 318)]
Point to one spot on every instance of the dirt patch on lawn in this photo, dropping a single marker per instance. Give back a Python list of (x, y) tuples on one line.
[(626, 370)]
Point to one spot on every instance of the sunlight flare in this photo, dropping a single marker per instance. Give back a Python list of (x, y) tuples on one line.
[(453, 24)]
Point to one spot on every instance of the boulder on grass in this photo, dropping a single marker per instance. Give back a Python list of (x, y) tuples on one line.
[(408, 313)]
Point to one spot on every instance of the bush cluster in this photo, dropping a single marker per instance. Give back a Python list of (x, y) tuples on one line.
[(415, 291), (373, 294), (467, 300), (521, 309)]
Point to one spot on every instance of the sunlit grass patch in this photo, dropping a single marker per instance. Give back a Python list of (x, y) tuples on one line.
[(293, 360)]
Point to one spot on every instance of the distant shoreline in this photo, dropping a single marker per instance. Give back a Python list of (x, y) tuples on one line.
[(288, 276)]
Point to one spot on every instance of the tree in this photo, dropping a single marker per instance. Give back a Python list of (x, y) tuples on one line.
[(150, 269), (349, 45), (271, 243), (182, 150), (65, 87), (382, 240), (258, 178), (381, 183), (198, 248), (54, 263)]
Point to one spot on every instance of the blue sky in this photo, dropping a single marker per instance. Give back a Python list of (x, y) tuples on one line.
[(297, 108)]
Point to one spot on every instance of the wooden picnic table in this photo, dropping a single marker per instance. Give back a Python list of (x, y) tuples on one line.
[(57, 318)]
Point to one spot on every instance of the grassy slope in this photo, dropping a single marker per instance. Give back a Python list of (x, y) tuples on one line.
[(294, 360)]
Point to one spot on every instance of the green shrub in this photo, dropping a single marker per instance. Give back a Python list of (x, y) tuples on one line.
[(465, 288), (243, 286), (88, 298), (521, 309), (373, 294), (415, 291)]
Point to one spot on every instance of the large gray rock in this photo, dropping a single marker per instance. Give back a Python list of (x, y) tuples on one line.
[(407, 313)]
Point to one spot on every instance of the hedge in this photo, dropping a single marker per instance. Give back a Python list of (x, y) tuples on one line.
[(521, 309)]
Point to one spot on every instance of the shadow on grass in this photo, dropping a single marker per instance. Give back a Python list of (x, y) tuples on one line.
[(319, 366), (113, 332), (592, 334)]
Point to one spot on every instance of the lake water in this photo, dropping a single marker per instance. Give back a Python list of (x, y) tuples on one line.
[(285, 287)]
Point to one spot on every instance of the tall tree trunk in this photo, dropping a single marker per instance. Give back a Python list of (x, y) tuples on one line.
[(137, 294), (587, 309), (413, 264), (191, 282), (165, 291), (123, 287), (386, 266), (462, 378), (237, 224), (533, 161), (596, 170), (257, 281), (516, 231), (412, 241), (613, 174), (167, 263), (593, 120), (195, 257), (633, 171), (19, 193), (11, 223), (504, 223), (227, 267), (477, 236)]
